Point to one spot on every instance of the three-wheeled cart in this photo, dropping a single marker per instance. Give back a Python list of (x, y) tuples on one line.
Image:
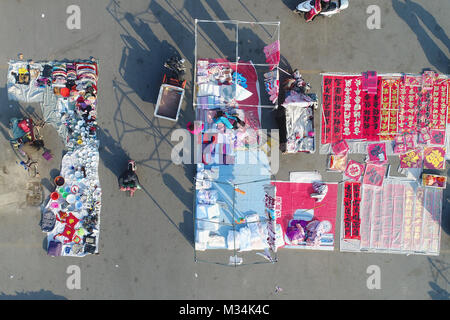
[(171, 92)]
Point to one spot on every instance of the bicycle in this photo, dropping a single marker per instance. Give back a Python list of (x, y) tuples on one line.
[(31, 167), (33, 134)]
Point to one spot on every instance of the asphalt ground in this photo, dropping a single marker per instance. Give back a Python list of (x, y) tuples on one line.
[(146, 247)]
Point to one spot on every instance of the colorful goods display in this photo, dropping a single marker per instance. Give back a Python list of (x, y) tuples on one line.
[(67, 93), (402, 104), (377, 153), (411, 159), (302, 222), (399, 217), (433, 180), (337, 162)]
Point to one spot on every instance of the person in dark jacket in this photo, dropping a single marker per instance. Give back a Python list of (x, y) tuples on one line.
[(129, 181)]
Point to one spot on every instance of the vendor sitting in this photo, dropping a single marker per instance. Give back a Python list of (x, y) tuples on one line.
[(230, 121), (129, 181)]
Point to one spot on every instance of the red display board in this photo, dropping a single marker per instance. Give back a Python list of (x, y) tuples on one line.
[(402, 105), (352, 220)]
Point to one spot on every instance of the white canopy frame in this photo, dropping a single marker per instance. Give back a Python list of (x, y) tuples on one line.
[(236, 23)]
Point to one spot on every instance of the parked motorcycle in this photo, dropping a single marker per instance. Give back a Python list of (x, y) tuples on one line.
[(129, 181), (176, 65), (312, 8)]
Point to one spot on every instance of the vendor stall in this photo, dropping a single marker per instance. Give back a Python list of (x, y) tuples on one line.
[(384, 115), (67, 93), (304, 221), (401, 109), (230, 211), (233, 174)]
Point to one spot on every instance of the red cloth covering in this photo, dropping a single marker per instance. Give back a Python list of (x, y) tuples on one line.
[(248, 71), (291, 196), (24, 126)]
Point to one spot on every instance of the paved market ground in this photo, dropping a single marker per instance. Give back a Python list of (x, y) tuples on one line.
[(146, 242)]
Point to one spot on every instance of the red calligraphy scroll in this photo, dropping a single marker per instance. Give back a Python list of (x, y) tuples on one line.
[(407, 118), (342, 98), (352, 220), (327, 108), (389, 103)]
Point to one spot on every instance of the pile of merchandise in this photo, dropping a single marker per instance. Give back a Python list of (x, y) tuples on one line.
[(382, 115), (233, 164), (67, 93), (298, 113)]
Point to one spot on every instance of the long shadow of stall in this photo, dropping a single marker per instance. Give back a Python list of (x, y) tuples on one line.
[(141, 69), (32, 295), (440, 279), (416, 17)]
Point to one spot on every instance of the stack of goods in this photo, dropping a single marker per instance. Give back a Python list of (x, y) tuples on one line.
[(76, 204), (401, 217), (251, 235), (407, 109), (221, 84), (75, 89), (59, 78), (337, 161), (208, 211), (23, 81), (45, 78), (298, 108), (87, 89)]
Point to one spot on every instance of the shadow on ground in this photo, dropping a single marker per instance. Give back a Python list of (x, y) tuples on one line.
[(141, 71), (422, 23), (32, 295), (440, 276)]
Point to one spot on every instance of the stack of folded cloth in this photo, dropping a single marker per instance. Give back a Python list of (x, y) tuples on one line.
[(71, 71), (87, 83), (87, 74), (59, 75)]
